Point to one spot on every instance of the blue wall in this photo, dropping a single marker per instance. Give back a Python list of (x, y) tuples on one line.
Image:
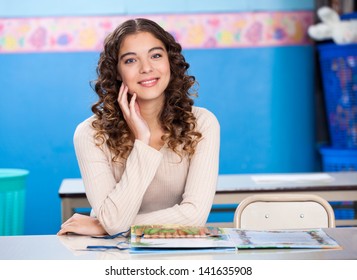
[(30, 8), (43, 98), (263, 98)]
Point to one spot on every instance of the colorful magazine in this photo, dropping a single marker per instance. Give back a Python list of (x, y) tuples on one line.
[(179, 237), (173, 237), (307, 239)]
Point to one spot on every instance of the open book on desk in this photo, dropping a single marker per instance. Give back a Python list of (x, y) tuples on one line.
[(151, 238)]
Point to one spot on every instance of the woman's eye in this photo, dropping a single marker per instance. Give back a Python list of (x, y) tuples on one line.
[(130, 60), (157, 55)]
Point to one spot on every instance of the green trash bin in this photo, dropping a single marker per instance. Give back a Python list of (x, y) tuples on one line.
[(12, 201)]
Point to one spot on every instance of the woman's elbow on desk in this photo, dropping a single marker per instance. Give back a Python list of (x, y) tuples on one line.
[(112, 224)]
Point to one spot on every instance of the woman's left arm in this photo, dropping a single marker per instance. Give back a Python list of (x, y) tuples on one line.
[(201, 180)]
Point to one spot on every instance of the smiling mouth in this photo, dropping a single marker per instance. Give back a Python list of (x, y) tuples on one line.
[(149, 82)]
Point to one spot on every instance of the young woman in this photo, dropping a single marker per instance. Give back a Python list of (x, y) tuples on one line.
[(147, 155)]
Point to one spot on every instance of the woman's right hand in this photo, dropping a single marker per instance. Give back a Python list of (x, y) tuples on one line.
[(132, 115), (82, 224)]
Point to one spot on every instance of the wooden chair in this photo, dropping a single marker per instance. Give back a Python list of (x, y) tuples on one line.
[(284, 211)]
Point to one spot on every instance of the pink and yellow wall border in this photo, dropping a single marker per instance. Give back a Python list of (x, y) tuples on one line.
[(193, 31)]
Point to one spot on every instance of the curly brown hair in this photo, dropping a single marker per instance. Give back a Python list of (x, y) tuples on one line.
[(176, 117)]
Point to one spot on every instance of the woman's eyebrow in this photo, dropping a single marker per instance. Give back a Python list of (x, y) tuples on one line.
[(156, 48), (134, 53), (125, 54)]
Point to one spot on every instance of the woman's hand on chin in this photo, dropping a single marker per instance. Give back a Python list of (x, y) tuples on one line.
[(132, 115), (82, 224)]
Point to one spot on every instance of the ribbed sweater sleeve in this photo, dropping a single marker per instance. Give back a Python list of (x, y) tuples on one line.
[(201, 179), (115, 204)]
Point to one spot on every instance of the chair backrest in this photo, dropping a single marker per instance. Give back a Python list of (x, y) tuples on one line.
[(285, 211)]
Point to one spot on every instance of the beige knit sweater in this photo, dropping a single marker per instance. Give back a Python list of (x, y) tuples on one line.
[(153, 186)]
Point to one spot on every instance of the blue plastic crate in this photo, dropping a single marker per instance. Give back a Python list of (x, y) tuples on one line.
[(344, 210), (344, 214), (349, 16), (339, 75), (338, 159)]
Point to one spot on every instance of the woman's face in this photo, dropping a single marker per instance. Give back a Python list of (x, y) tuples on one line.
[(144, 66)]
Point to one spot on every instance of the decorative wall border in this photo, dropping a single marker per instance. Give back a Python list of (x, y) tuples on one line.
[(193, 31)]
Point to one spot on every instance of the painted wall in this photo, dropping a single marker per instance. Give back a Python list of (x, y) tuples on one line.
[(261, 91)]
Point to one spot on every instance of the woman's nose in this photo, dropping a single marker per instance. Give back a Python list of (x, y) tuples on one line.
[(146, 67)]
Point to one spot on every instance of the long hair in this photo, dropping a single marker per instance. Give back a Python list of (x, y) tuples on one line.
[(176, 117)]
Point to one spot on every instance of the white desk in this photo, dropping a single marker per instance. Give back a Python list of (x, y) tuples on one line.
[(52, 247), (232, 189)]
